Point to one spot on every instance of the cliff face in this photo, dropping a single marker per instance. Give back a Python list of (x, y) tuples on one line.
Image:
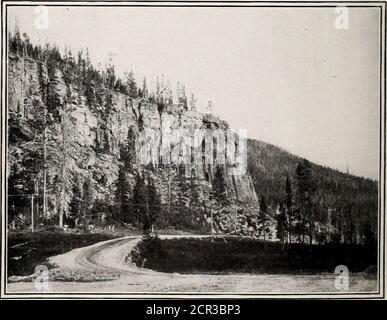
[(92, 143), (178, 130)]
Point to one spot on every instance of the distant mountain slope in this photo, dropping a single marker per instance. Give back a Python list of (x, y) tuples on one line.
[(268, 166)]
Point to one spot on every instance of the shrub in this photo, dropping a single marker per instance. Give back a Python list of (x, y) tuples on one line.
[(148, 248)]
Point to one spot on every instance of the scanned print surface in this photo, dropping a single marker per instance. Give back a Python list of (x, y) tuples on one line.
[(156, 149)]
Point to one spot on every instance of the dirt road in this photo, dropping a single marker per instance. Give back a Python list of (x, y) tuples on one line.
[(109, 256)]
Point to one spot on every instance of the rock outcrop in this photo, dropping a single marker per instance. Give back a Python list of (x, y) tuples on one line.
[(156, 126)]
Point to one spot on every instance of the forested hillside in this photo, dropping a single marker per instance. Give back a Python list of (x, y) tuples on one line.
[(345, 204)]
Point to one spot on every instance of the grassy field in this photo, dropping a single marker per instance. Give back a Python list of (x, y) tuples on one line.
[(243, 255), (26, 250)]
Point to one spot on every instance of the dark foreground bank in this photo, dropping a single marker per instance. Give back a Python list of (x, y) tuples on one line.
[(244, 255)]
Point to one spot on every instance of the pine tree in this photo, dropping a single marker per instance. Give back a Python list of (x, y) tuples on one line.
[(195, 199), (192, 102), (128, 153), (52, 98), (281, 224), (181, 200), (110, 76), (109, 107), (127, 158), (144, 89), (140, 201), (131, 85), (183, 98), (262, 218), (157, 88), (123, 195), (89, 91), (289, 209), (76, 201), (304, 198), (66, 170), (154, 203), (57, 143), (87, 198)]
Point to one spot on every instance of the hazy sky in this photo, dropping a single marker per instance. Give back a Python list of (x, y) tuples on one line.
[(287, 75)]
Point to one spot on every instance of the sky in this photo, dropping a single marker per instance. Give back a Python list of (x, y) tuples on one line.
[(287, 75)]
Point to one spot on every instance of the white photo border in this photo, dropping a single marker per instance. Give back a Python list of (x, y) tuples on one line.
[(379, 294)]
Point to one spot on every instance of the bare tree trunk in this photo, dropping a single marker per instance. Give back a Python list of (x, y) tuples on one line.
[(310, 235), (63, 171), (44, 167), (32, 213), (169, 196)]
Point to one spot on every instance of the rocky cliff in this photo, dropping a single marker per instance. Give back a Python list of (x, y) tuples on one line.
[(91, 143)]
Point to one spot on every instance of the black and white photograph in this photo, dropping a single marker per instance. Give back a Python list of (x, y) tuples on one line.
[(193, 149)]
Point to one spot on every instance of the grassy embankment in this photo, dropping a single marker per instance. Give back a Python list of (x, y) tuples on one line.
[(244, 255)]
